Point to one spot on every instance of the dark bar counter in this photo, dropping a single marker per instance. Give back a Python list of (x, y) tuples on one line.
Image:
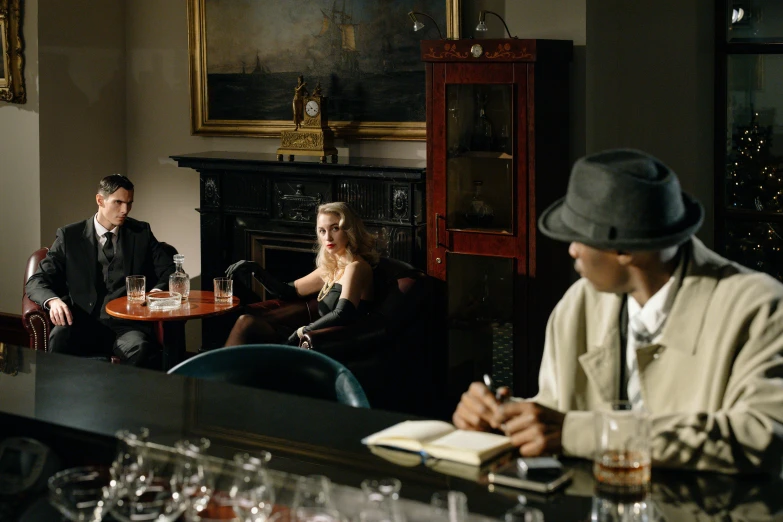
[(76, 405)]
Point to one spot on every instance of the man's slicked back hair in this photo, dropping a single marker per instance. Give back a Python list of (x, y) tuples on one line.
[(111, 183)]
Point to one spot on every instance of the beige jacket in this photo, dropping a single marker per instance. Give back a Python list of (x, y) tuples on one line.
[(713, 384)]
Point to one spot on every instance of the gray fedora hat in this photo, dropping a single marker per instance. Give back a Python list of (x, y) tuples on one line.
[(623, 199)]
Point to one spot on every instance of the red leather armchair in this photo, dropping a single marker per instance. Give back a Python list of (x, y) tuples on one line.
[(34, 317), (36, 320), (385, 350)]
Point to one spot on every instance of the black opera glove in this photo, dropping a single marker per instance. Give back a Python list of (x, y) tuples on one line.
[(285, 291), (293, 339), (242, 267), (344, 313)]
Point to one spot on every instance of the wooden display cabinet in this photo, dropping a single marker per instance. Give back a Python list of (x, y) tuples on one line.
[(497, 156)]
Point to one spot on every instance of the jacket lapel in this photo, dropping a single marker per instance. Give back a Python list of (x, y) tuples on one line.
[(90, 250), (601, 362), (686, 318)]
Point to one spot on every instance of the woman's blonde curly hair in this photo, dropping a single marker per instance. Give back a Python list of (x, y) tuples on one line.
[(360, 242)]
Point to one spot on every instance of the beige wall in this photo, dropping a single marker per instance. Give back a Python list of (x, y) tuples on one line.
[(650, 81), (82, 84), (20, 175)]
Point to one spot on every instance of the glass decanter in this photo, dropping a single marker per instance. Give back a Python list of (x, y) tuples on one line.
[(479, 213), (179, 281)]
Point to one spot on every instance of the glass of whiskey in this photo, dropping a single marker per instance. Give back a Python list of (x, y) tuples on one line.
[(622, 459)]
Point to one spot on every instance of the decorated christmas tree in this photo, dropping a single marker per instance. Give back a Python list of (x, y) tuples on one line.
[(754, 181), (754, 175)]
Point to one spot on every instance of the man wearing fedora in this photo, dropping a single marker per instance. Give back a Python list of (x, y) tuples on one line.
[(657, 319)]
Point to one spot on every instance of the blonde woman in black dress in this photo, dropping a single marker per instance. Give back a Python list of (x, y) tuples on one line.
[(343, 280)]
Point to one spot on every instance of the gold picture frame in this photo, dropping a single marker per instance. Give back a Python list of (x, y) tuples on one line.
[(239, 76), (11, 52)]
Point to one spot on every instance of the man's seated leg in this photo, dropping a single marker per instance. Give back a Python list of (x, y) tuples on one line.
[(60, 340), (85, 337), (135, 343)]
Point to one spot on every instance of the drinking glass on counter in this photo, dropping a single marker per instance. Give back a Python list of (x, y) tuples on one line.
[(82, 494), (158, 481), (608, 507), (193, 474), (128, 468), (238, 490), (313, 500), (224, 290), (450, 506), (381, 501), (523, 513), (252, 495), (136, 287), (622, 461)]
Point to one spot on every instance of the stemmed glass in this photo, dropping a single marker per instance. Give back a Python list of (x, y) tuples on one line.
[(242, 491), (252, 494), (381, 501), (450, 506), (523, 513), (313, 500), (156, 492), (89, 493), (193, 477), (129, 467)]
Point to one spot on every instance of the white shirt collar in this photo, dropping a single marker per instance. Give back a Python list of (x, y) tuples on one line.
[(100, 230), (655, 311)]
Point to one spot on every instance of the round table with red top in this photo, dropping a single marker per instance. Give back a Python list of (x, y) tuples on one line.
[(170, 325)]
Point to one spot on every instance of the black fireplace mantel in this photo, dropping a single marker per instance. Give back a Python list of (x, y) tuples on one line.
[(251, 201), (353, 166)]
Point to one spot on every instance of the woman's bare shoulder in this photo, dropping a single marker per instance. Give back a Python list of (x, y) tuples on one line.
[(359, 266)]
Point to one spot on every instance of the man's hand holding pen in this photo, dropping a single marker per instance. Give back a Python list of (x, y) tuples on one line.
[(478, 406), (534, 429)]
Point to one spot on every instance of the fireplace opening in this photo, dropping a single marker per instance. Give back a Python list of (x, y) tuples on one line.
[(286, 257)]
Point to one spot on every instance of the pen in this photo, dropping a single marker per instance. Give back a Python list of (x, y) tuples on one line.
[(499, 396)]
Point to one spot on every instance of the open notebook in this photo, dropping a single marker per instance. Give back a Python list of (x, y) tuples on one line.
[(441, 440)]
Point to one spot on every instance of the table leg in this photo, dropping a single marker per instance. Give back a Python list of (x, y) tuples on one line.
[(171, 335)]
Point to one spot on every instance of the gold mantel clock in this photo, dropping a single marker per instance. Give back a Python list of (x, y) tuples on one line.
[(311, 135)]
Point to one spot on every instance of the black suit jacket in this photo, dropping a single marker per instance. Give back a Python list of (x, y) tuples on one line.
[(71, 270)]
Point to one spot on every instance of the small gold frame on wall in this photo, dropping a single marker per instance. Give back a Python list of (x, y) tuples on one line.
[(11, 57), (240, 62)]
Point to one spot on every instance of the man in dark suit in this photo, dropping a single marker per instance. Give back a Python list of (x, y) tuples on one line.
[(86, 268)]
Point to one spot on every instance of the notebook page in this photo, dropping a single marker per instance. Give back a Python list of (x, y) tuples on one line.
[(410, 434)]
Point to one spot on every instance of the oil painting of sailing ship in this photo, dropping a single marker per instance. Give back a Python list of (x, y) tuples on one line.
[(364, 53)]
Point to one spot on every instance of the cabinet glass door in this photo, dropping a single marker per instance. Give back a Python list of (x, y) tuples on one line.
[(755, 21), (754, 162), (480, 169), (480, 309), (754, 132)]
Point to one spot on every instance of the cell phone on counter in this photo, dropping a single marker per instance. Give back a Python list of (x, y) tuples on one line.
[(540, 474)]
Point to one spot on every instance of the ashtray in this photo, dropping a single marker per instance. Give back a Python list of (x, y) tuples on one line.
[(164, 301)]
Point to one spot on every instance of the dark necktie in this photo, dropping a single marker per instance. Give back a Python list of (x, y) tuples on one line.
[(108, 246)]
